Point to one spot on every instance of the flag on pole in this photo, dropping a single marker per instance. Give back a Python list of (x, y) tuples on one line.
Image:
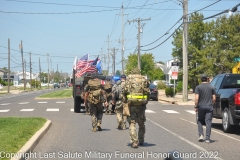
[(89, 68), (99, 67), (75, 63), (82, 61)]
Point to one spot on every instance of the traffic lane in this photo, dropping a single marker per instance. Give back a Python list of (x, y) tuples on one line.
[(45, 108), (187, 128), (24, 96), (73, 134)]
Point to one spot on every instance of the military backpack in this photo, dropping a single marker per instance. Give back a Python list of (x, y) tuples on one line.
[(95, 88), (137, 87)]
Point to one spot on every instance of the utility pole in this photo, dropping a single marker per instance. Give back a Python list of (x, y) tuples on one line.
[(8, 65), (48, 69), (30, 70), (122, 38), (139, 31), (51, 76), (40, 72), (185, 53), (108, 55), (25, 68), (114, 57), (24, 79)]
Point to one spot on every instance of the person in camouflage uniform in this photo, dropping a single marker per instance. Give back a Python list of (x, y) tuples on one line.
[(108, 88), (118, 101), (96, 110), (137, 116), (86, 78)]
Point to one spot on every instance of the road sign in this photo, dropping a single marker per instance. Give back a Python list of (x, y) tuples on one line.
[(175, 64), (237, 59), (174, 68), (174, 75), (236, 69)]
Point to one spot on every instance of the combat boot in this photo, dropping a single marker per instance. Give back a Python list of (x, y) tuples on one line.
[(134, 145), (94, 129), (120, 125), (123, 127), (99, 126)]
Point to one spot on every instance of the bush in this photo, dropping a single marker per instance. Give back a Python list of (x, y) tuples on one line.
[(179, 86), (161, 85), (169, 91)]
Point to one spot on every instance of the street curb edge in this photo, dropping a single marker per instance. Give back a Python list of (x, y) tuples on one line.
[(32, 143)]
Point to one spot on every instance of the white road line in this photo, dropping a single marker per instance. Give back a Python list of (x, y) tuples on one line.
[(191, 111), (26, 110), (42, 102), (213, 130), (23, 103), (72, 110), (182, 138), (6, 110), (52, 109), (149, 111), (4, 104), (60, 102), (170, 111)]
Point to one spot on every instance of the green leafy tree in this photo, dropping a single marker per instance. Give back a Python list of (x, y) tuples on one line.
[(148, 67), (118, 73)]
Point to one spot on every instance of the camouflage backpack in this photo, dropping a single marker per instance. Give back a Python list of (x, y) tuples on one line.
[(137, 87), (108, 88), (94, 95), (118, 90)]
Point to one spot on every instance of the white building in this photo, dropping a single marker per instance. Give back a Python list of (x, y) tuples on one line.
[(166, 69)]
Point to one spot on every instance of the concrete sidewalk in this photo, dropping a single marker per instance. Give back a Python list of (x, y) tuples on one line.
[(177, 99)]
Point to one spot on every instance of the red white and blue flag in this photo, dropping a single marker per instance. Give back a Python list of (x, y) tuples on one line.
[(82, 62), (90, 67)]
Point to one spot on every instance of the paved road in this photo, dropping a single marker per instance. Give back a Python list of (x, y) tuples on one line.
[(168, 128)]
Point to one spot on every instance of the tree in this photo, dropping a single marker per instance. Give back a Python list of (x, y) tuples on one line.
[(118, 73), (148, 67)]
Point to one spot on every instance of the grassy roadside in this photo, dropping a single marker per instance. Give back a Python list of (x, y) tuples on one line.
[(66, 93), (15, 132)]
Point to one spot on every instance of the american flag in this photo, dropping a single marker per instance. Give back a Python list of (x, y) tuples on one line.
[(82, 62), (91, 67)]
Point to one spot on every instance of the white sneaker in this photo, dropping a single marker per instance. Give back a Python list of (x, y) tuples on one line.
[(207, 141), (200, 139)]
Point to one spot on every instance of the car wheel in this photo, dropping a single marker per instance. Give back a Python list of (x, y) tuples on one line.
[(227, 127), (77, 104)]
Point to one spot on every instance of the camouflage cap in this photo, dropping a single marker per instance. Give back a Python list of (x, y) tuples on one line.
[(135, 71)]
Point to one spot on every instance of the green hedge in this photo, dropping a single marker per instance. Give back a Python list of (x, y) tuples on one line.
[(169, 91)]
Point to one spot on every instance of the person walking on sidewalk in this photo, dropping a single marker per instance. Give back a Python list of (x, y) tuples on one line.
[(204, 100)]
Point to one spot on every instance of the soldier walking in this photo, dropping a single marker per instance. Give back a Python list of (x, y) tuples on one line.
[(94, 93), (137, 97), (108, 89), (118, 100)]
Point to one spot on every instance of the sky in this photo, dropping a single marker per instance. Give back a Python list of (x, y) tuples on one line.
[(64, 29)]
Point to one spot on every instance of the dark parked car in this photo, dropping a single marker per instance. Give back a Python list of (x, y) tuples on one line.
[(56, 85), (153, 92)]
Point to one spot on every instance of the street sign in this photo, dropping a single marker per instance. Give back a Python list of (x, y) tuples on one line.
[(174, 75), (237, 59), (236, 69), (174, 68), (175, 64)]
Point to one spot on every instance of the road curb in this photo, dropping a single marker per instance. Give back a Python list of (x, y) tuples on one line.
[(32, 143)]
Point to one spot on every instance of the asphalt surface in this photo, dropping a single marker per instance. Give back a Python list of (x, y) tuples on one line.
[(169, 127)]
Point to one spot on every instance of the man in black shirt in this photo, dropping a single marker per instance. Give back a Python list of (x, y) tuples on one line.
[(204, 99)]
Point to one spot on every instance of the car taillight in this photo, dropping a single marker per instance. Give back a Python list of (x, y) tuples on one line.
[(237, 99)]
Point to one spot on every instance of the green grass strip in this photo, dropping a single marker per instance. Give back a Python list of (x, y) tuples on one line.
[(66, 93), (15, 132)]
